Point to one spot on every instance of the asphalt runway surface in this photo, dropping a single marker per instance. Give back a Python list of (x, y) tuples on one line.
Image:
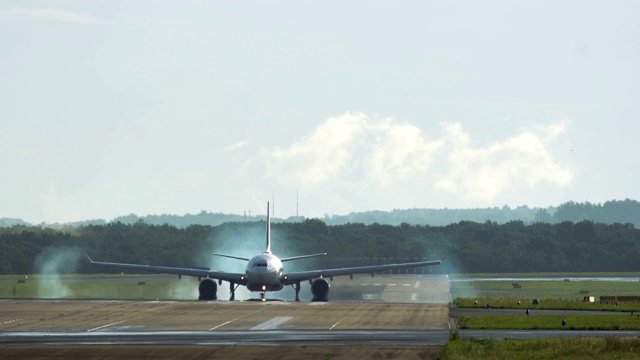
[(286, 338), (359, 322), (384, 305)]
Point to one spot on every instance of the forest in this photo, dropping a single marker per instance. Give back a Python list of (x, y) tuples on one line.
[(471, 246), (613, 211)]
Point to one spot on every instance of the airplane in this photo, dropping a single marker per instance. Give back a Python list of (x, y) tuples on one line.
[(264, 272)]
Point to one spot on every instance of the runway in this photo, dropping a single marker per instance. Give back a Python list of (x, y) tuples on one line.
[(386, 302), (402, 316), (230, 338), (102, 316)]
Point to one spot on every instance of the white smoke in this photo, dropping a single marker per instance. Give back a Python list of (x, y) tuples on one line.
[(54, 262)]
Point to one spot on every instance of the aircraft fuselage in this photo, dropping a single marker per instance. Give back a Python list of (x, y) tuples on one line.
[(264, 273)]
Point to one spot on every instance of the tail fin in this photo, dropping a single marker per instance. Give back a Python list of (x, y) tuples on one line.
[(268, 251)]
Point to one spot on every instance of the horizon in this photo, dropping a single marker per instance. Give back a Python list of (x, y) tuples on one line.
[(261, 216)]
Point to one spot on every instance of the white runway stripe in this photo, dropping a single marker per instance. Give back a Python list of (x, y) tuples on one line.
[(104, 326), (273, 323), (10, 321)]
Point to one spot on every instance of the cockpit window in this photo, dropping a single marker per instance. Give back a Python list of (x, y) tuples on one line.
[(261, 263)]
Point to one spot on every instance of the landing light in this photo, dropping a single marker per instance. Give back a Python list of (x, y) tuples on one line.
[(264, 288)]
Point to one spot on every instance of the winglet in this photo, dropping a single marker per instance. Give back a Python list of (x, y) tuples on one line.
[(91, 261), (444, 256)]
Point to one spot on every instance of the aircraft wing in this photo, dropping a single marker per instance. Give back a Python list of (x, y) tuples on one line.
[(292, 278), (236, 278)]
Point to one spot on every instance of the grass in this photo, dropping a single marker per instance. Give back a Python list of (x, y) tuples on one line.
[(548, 289), (127, 290), (551, 322), (552, 294), (545, 274), (72, 276), (558, 348), (497, 302)]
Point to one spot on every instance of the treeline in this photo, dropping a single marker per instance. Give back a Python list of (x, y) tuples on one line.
[(625, 211), (610, 212), (471, 246)]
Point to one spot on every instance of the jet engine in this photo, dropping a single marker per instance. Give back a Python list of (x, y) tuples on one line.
[(207, 290), (320, 289)]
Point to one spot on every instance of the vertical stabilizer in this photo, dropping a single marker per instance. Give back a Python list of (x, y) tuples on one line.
[(268, 231)]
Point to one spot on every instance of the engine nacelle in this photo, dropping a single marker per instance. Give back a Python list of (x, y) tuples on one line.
[(320, 289), (207, 290)]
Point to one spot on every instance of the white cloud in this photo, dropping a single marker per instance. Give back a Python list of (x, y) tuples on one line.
[(400, 151), (355, 152), (321, 156), (375, 159), (52, 14), (518, 163), (236, 146)]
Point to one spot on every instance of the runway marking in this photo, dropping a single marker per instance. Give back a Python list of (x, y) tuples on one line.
[(10, 321), (232, 320), (406, 284), (377, 284), (417, 284), (414, 297), (334, 325), (273, 323), (391, 285), (104, 326), (223, 324)]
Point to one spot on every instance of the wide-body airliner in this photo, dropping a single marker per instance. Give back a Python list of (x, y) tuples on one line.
[(264, 272)]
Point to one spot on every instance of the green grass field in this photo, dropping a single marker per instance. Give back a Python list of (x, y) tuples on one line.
[(543, 289), (545, 274), (551, 322), (185, 289), (73, 276), (546, 304), (552, 295), (563, 348)]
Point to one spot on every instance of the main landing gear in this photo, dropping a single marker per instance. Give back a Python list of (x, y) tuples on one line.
[(296, 287), (232, 289)]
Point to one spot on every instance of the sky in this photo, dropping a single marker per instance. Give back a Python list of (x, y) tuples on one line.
[(109, 108)]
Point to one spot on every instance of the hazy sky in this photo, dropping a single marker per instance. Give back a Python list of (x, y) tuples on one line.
[(109, 108)]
